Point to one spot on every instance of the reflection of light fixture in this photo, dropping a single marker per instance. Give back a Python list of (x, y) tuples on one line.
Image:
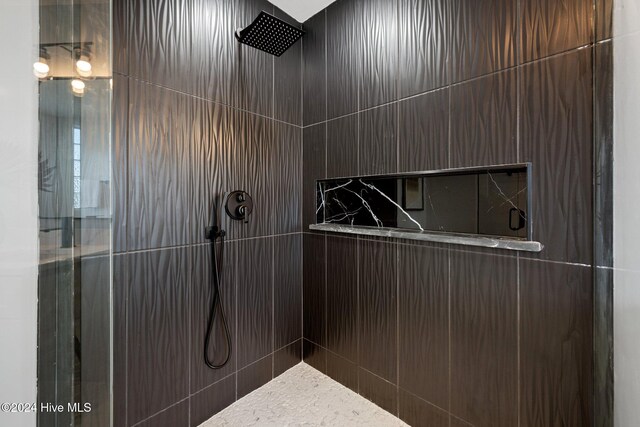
[(77, 86), (83, 62), (41, 68)]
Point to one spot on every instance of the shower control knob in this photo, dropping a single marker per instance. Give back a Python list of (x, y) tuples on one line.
[(241, 197), (239, 205)]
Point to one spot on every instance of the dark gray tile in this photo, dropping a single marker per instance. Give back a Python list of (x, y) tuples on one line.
[(159, 161), (548, 27), (603, 139), (314, 288), (378, 309), (157, 336), (484, 339), (286, 170), (120, 284), (315, 356), (212, 400), (485, 122), (424, 32), (254, 275), (379, 391), (254, 68), (556, 344), (379, 46), (255, 376), (287, 357), (342, 147), (424, 323), (604, 19), (603, 373), (314, 70), (288, 80), (556, 129), (483, 38), (420, 413), (212, 138), (313, 168), (212, 56), (342, 296), (120, 131), (423, 142), (342, 370), (250, 168), (175, 416), (201, 300), (344, 37), (120, 19), (378, 145), (287, 283)]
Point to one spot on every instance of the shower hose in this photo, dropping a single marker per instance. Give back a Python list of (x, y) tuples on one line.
[(216, 278)]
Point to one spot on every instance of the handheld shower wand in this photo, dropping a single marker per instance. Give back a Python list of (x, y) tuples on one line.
[(213, 233)]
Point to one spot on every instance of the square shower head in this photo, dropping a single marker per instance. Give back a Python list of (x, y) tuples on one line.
[(269, 34)]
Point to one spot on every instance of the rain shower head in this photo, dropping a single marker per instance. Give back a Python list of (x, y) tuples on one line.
[(269, 34)]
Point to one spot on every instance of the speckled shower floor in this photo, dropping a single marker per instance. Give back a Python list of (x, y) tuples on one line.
[(303, 396)]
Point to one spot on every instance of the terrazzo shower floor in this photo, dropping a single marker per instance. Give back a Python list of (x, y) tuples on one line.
[(303, 396)]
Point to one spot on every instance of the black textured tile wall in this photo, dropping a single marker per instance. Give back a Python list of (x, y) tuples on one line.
[(342, 147), (287, 285), (423, 127), (423, 276), (119, 287), (287, 357), (120, 37), (211, 400), (342, 370), (255, 376), (157, 331), (377, 147), (485, 111), (254, 72), (119, 163), (556, 344), (342, 296), (314, 289), (378, 21), (556, 128), (314, 70), (286, 173), (548, 27), (343, 38), (254, 275), (424, 32), (484, 339), (419, 413), (174, 416), (159, 158), (287, 78), (378, 390), (250, 169), (315, 356), (604, 19), (313, 168), (202, 293), (213, 128), (483, 37), (378, 308)]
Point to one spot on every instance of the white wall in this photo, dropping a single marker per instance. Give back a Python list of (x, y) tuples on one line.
[(627, 212), (18, 207)]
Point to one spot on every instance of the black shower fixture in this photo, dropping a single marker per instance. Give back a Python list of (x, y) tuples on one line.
[(269, 34)]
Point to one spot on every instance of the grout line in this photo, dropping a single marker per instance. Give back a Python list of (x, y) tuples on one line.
[(139, 423), (461, 82), (518, 321)]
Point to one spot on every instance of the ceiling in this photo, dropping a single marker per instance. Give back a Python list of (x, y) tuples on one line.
[(302, 10)]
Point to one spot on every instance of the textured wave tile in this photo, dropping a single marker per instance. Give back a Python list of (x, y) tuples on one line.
[(314, 70), (483, 38), (377, 148), (550, 26), (303, 396), (424, 33), (119, 163), (286, 158)]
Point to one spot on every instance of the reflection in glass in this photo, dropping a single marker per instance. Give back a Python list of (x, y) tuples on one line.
[(74, 286)]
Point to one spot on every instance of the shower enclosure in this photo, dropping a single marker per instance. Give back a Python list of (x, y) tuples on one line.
[(74, 195)]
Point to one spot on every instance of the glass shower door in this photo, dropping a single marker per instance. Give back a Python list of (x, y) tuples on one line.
[(74, 194)]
